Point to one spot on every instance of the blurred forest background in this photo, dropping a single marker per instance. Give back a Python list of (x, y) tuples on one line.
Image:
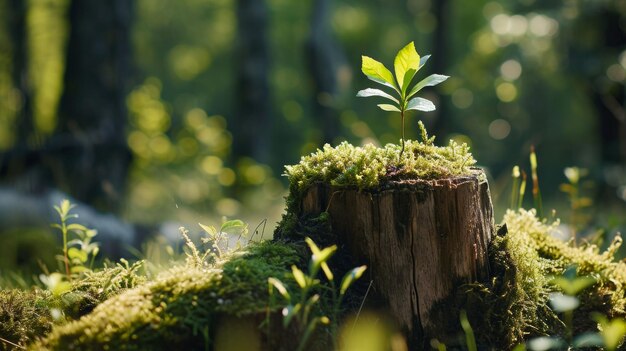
[(183, 110)]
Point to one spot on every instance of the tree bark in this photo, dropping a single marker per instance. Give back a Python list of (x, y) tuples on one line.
[(421, 240), (253, 120), (93, 111)]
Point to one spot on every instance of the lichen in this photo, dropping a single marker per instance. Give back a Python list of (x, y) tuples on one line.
[(368, 166), (178, 309)]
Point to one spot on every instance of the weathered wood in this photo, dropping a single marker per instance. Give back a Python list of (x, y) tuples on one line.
[(420, 239)]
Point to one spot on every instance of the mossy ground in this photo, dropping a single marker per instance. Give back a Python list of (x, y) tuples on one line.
[(119, 309), (514, 305), (179, 308)]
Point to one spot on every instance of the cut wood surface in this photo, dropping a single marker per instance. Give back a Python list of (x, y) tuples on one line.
[(420, 239)]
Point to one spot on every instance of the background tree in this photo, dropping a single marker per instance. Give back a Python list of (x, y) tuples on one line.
[(253, 122), (92, 158)]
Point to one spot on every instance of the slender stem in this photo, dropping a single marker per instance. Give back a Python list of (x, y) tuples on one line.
[(65, 258), (402, 150)]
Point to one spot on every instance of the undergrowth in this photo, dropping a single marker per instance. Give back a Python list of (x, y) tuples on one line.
[(179, 309)]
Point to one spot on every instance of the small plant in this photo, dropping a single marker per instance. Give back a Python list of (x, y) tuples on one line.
[(578, 202), (406, 64), (80, 250), (611, 332), (218, 240), (300, 306)]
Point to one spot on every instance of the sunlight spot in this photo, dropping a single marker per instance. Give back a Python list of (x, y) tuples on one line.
[(227, 207), (226, 177), (292, 111), (506, 92), (196, 118), (511, 70), (542, 26), (462, 98), (518, 25), (255, 174), (499, 129), (360, 129), (616, 73), (212, 165), (500, 24)]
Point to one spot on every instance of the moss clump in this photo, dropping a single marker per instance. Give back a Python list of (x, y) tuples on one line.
[(24, 316), (178, 309), (368, 166), (95, 287), (523, 261)]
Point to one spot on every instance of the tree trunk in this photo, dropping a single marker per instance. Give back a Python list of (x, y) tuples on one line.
[(252, 126), (93, 115), (420, 239), (325, 61)]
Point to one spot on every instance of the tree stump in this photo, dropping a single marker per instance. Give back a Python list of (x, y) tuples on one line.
[(420, 239)]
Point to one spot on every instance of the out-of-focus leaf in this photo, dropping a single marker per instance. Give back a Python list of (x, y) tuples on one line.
[(387, 107)]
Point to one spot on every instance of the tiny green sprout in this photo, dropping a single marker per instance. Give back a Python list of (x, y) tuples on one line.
[(406, 65)]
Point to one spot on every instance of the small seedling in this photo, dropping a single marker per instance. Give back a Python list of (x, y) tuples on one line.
[(406, 65), (80, 250), (301, 304)]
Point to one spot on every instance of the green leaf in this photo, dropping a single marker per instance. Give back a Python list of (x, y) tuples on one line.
[(79, 269), (298, 275), (235, 223), (319, 258), (376, 92), (573, 286), (429, 81), (420, 104), (387, 107), (612, 331), (588, 340), (77, 227), (544, 343), (377, 72), (406, 60), (273, 282), (350, 278), (74, 253), (563, 303), (209, 230), (423, 60), (66, 206)]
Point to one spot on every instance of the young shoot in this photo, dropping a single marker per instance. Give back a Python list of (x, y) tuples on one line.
[(406, 65)]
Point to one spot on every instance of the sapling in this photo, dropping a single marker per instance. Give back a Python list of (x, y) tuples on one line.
[(406, 65)]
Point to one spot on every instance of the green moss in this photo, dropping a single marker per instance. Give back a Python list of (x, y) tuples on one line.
[(178, 309), (24, 316), (368, 166), (515, 302)]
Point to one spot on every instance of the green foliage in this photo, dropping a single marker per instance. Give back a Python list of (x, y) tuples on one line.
[(406, 65), (301, 306), (176, 310), (77, 251), (368, 167)]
